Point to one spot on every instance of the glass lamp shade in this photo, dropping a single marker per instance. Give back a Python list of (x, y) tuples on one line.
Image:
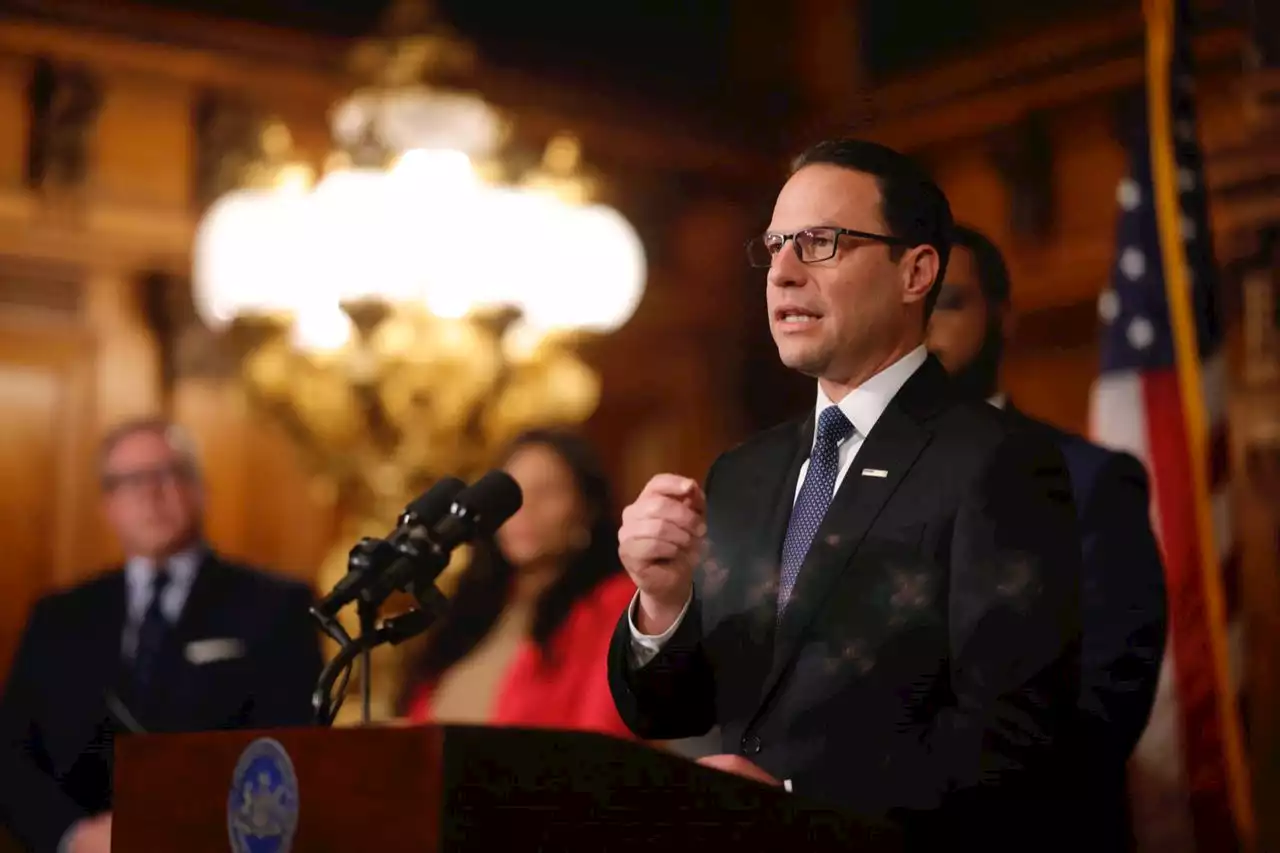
[(245, 256), (434, 211), (605, 274), (347, 257), (564, 266), (417, 117), (427, 232)]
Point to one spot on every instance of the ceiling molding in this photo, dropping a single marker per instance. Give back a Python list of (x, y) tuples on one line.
[(972, 96), (291, 67)]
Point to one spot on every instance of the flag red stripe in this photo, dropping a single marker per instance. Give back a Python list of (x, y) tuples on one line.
[(1190, 643)]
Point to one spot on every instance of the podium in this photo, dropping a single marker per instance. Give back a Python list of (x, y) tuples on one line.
[(450, 788)]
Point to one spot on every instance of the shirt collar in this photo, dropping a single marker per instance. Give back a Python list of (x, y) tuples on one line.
[(998, 399), (864, 405), (182, 568)]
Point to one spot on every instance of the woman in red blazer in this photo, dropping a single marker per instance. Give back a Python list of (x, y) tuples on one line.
[(526, 638)]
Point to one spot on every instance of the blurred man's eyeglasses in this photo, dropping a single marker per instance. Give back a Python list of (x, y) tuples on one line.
[(143, 478), (812, 245)]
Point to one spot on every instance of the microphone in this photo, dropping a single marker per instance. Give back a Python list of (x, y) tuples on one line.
[(476, 512), (423, 555), (371, 557)]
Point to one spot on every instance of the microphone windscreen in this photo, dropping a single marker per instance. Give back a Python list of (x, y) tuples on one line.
[(431, 505), (491, 500)]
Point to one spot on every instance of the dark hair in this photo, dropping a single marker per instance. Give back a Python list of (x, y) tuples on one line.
[(484, 586), (914, 208), (993, 272)]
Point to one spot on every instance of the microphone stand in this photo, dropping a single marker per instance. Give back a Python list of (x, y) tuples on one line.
[(322, 704), (367, 612), (395, 631)]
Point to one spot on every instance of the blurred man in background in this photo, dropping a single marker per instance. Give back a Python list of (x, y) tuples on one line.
[(1123, 596), (177, 639)]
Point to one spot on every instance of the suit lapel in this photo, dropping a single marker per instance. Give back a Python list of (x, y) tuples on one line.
[(895, 442), (203, 601), (739, 581), (105, 654), (773, 495), (85, 693), (104, 666)]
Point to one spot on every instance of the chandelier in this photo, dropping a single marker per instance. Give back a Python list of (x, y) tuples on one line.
[(405, 309), (410, 211), (428, 232)]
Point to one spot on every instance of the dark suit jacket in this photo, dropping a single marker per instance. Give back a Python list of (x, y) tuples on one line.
[(56, 731), (1123, 612), (927, 665)]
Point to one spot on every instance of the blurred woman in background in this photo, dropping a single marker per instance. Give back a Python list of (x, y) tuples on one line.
[(527, 633)]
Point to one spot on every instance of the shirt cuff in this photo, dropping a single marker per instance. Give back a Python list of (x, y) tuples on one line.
[(786, 785), (64, 843), (645, 647)]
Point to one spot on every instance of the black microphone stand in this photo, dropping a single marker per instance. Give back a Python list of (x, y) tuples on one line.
[(323, 706), (395, 631), (358, 564), (367, 612), (432, 605)]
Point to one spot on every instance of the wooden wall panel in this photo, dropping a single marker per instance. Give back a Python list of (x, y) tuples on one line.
[(13, 120), (143, 115), (128, 368), (262, 505), (47, 394), (1053, 383)]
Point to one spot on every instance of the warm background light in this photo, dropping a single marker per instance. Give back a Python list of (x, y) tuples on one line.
[(426, 233)]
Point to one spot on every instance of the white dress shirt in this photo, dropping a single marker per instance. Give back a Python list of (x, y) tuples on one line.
[(863, 406), (138, 575)]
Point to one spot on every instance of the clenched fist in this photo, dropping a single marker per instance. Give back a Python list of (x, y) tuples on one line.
[(661, 543), (91, 835)]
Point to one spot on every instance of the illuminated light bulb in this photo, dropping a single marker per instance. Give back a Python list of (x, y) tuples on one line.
[(321, 330)]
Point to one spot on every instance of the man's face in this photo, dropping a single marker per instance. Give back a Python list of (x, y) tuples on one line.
[(958, 325), (831, 318), (151, 496)]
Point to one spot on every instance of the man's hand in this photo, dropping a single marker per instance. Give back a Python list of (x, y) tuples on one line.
[(91, 835), (660, 543), (738, 766)]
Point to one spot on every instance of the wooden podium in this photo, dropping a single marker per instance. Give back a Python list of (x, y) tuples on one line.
[(454, 788)]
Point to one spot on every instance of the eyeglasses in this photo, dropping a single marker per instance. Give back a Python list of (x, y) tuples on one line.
[(812, 245), (135, 481)]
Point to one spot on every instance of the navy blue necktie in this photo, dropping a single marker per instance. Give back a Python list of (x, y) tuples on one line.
[(814, 498), (151, 633)]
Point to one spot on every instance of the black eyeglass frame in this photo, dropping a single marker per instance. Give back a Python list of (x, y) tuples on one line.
[(836, 233), (122, 480)]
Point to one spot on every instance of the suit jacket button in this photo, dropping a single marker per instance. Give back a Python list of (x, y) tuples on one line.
[(750, 745)]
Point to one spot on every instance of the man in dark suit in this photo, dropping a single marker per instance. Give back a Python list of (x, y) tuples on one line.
[(888, 616), (178, 639), (1123, 593)]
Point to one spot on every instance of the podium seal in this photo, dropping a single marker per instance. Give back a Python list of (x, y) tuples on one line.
[(262, 806)]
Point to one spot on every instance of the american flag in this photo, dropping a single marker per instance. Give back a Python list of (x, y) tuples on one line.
[(1188, 786)]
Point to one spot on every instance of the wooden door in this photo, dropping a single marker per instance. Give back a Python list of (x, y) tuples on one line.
[(48, 525)]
